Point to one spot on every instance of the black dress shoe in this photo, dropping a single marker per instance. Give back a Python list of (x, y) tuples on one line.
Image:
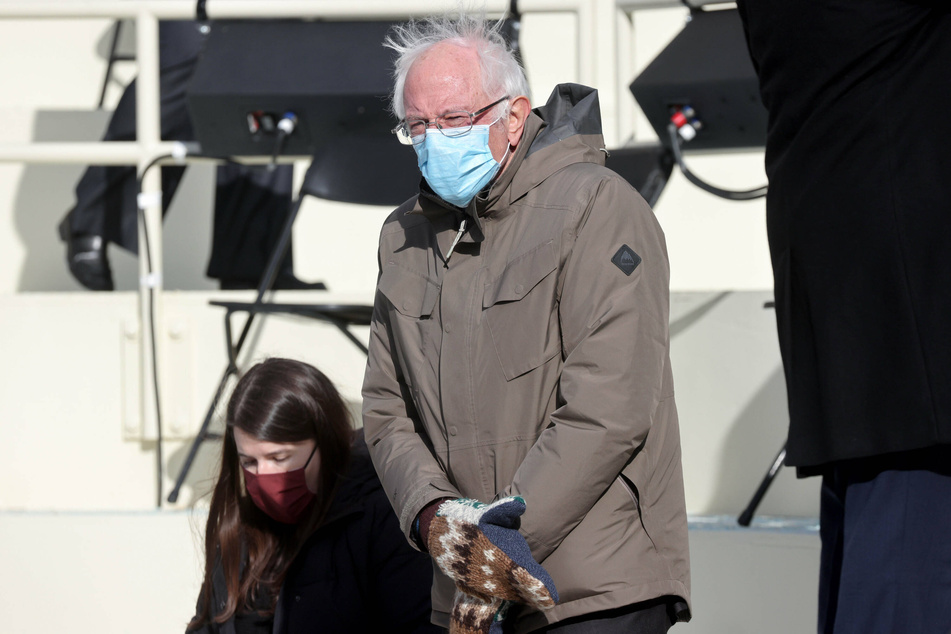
[(86, 256)]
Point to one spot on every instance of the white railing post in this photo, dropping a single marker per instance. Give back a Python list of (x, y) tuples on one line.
[(149, 135)]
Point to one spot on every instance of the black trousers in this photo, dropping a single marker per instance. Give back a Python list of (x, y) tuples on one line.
[(649, 617), (885, 525), (251, 203)]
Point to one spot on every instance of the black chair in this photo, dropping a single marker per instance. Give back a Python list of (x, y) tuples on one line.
[(646, 166)]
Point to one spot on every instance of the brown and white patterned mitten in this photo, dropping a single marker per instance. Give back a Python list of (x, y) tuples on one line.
[(479, 547)]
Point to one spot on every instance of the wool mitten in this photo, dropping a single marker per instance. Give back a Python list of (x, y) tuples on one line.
[(479, 547), (474, 615)]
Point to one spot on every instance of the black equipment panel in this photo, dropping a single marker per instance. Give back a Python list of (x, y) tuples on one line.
[(334, 76), (706, 66)]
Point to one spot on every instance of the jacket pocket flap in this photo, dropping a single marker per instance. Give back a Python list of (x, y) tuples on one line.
[(410, 293), (520, 276)]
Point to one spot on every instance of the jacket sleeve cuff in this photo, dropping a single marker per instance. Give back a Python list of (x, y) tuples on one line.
[(419, 500), (420, 532)]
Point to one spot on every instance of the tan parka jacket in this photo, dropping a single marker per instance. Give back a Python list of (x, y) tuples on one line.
[(524, 361)]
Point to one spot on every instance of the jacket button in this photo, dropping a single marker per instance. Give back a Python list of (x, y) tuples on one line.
[(446, 327), (519, 289), (297, 598), (405, 304), (453, 431)]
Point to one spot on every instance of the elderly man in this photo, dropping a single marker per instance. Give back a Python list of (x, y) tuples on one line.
[(519, 354)]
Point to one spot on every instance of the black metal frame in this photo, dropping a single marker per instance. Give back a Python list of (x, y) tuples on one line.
[(113, 58)]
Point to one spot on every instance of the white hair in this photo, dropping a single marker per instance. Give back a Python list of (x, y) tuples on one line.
[(501, 73)]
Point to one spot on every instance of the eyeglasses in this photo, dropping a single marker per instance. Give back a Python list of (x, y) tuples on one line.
[(452, 124)]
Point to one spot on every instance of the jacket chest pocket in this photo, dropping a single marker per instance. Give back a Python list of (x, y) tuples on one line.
[(519, 308), (412, 298)]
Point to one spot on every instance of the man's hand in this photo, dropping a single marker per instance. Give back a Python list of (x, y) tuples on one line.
[(479, 547)]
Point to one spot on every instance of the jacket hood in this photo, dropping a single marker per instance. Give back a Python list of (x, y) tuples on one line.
[(572, 117), (566, 130)]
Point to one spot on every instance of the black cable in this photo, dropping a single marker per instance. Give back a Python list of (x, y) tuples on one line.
[(285, 128), (153, 343), (749, 194), (155, 381)]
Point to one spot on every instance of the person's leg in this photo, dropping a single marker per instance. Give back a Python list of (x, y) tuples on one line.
[(99, 196), (896, 555), (106, 208), (831, 516), (251, 206)]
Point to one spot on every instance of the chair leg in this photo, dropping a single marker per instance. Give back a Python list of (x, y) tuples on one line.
[(110, 63), (203, 434), (746, 517), (342, 325)]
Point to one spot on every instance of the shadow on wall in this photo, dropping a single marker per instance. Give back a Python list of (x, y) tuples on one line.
[(757, 435), (732, 400), (684, 322), (202, 474)]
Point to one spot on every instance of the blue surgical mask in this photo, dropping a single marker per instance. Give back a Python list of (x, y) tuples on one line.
[(457, 168)]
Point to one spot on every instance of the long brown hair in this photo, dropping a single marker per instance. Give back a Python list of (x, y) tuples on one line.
[(277, 400)]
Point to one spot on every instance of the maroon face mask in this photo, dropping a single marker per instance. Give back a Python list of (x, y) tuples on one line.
[(283, 496)]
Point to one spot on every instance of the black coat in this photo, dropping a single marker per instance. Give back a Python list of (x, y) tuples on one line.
[(859, 219), (355, 574)]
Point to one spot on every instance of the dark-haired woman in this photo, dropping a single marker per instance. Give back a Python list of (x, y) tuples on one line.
[(300, 536)]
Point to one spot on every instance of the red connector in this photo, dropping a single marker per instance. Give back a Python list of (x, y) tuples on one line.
[(686, 121)]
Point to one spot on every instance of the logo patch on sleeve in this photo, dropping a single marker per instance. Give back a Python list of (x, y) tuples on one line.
[(626, 260)]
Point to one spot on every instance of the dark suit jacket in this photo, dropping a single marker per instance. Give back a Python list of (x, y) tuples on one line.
[(859, 219)]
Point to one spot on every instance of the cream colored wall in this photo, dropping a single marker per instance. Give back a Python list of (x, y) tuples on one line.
[(78, 472), (99, 571)]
